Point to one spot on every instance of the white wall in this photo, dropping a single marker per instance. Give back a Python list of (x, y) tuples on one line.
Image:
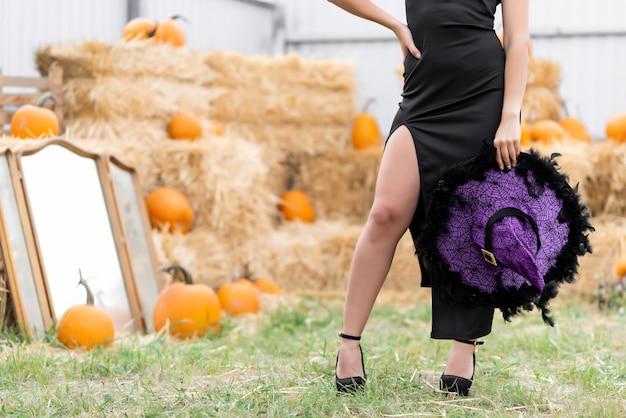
[(26, 25), (588, 39), (245, 26)]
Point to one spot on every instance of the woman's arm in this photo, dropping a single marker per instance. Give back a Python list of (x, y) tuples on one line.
[(516, 38), (370, 11)]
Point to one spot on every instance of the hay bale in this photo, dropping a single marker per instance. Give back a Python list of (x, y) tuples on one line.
[(285, 105), (543, 73), (96, 58), (307, 137), (613, 167), (340, 184), (234, 70), (541, 103), (119, 100), (578, 160), (607, 242)]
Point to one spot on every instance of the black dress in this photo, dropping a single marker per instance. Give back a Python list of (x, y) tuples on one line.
[(451, 104)]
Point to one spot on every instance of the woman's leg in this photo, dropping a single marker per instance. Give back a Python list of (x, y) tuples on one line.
[(395, 200)]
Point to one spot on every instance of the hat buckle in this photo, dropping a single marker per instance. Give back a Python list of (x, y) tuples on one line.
[(489, 257)]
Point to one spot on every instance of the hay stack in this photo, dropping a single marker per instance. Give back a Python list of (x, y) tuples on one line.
[(542, 99), (273, 101), (599, 266)]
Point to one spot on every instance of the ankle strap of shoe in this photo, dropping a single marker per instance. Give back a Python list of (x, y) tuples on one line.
[(349, 337), (471, 342)]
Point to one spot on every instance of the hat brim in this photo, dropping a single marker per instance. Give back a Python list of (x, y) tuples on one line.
[(511, 301)]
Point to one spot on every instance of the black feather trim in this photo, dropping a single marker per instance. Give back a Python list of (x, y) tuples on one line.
[(510, 301)]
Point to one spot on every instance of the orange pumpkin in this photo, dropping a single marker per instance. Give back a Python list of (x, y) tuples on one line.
[(238, 298), (620, 266), (263, 284), (184, 125), (188, 310), (296, 206), (35, 121), (168, 208), (527, 135), (547, 130), (365, 132), (170, 32), (85, 326), (138, 29), (615, 128), (575, 128)]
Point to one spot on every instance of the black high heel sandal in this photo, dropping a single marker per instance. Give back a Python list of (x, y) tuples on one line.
[(457, 384), (354, 383)]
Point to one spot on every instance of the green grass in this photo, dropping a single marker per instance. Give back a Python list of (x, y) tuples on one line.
[(281, 363)]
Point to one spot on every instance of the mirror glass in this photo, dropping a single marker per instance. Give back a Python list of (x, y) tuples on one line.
[(136, 236), (74, 232), (24, 293)]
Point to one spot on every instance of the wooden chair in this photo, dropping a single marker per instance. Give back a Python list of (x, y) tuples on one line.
[(10, 102)]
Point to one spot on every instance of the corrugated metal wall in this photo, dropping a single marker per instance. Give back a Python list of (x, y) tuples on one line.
[(245, 26), (26, 25), (588, 39)]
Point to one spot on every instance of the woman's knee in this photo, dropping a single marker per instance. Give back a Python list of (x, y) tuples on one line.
[(387, 219)]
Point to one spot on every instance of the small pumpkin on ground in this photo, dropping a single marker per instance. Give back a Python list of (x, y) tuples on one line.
[(262, 284), (189, 310), (365, 132), (35, 121), (169, 208), (139, 29), (85, 326), (170, 32), (184, 125), (547, 130), (575, 128), (238, 298), (615, 128)]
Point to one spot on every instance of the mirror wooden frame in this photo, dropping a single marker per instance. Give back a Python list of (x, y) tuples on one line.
[(16, 280), (136, 231), (139, 303)]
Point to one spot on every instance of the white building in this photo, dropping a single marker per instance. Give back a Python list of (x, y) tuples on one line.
[(588, 39)]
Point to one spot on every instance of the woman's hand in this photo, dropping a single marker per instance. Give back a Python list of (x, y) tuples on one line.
[(406, 41), (507, 141)]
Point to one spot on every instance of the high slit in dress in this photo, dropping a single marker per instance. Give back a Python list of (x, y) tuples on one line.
[(451, 103)]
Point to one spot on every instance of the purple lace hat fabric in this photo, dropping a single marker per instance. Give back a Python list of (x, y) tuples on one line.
[(504, 238)]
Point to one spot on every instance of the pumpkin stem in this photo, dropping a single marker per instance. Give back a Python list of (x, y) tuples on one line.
[(44, 98), (367, 104), (153, 31), (90, 298), (293, 167), (177, 267), (180, 17), (247, 273)]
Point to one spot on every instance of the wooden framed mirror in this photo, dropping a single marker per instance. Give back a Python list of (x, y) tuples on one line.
[(20, 268), (136, 230), (76, 229)]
